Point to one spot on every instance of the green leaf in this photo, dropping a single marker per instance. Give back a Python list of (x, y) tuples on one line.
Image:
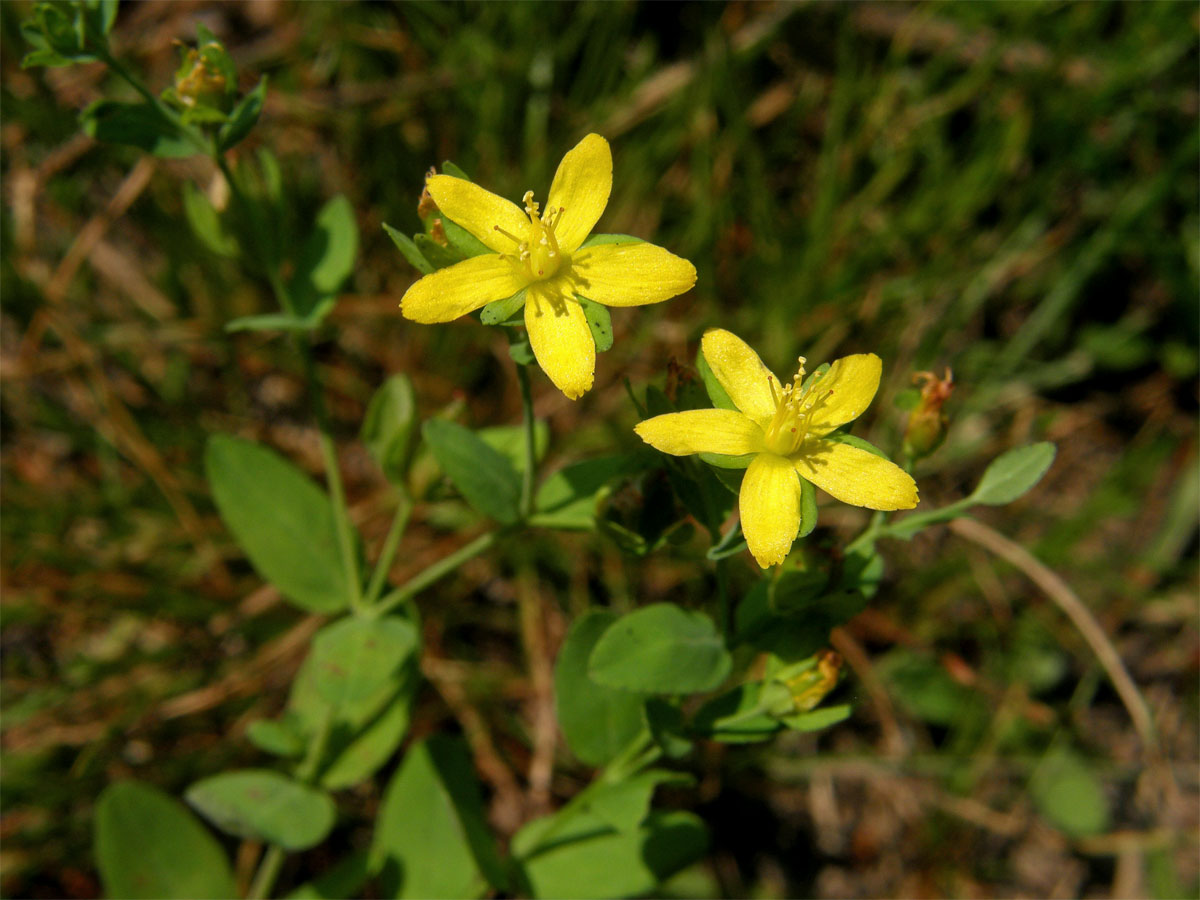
[(595, 240), (389, 429), (598, 722), (282, 521), (409, 250), (357, 755), (736, 717), (463, 241), (567, 499), (927, 692), (355, 657), (439, 256), (264, 805), (101, 14), (599, 321), (808, 509), (818, 719), (666, 724), (484, 477), (243, 116), (431, 834), (449, 168), (716, 393), (1013, 474), (206, 222), (1067, 792), (625, 804), (284, 321), (610, 863), (344, 879), (521, 353), (509, 440), (504, 312), (148, 845), (363, 734), (277, 736), (731, 543), (661, 649), (327, 257), (841, 437), (57, 39), (721, 461), (140, 125)]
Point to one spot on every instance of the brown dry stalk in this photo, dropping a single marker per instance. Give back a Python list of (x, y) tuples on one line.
[(1066, 600)]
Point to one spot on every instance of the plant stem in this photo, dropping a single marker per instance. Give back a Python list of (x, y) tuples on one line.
[(341, 514), (268, 871), (638, 754), (433, 573), (530, 442), (388, 553), (306, 773)]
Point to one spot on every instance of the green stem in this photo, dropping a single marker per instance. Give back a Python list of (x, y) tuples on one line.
[(268, 871), (638, 754), (433, 573), (388, 553), (197, 137), (341, 514), (530, 442), (306, 773)]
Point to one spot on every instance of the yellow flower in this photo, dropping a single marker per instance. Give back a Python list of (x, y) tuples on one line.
[(786, 429), (542, 255)]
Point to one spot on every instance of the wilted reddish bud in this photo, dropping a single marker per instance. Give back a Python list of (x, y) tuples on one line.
[(927, 423), (437, 231), (425, 206)]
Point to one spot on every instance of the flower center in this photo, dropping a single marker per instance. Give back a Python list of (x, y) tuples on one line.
[(794, 407), (538, 252)]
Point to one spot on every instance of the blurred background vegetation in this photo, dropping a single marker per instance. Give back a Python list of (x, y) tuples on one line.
[(1006, 189)]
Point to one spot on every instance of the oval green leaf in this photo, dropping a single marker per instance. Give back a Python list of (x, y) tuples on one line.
[(149, 845), (611, 863), (484, 477), (431, 834), (264, 805), (389, 429), (354, 658), (1013, 474), (1067, 792), (661, 649), (597, 721), (282, 521)]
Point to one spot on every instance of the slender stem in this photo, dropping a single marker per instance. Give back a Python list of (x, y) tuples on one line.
[(723, 617), (530, 442), (268, 871), (306, 772), (433, 573), (341, 514), (384, 564), (638, 754)]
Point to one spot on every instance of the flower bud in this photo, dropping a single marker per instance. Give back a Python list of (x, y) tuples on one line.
[(927, 423), (205, 83)]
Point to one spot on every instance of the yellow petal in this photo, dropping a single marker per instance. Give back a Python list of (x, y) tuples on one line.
[(855, 476), (479, 211), (702, 431), (745, 379), (458, 289), (560, 338), (844, 392), (581, 187), (632, 274), (769, 504)]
